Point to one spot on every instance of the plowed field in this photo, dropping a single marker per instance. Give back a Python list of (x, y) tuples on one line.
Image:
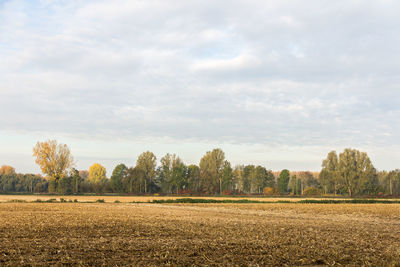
[(199, 234)]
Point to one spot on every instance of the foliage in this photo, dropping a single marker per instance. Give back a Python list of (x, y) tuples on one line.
[(116, 178), (312, 191), (97, 174), (283, 181), (146, 164), (6, 170), (54, 159), (211, 171), (269, 191), (351, 172)]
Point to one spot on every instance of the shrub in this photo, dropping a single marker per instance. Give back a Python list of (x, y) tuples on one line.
[(185, 192), (269, 191), (227, 192), (16, 200), (312, 191), (117, 201), (100, 201)]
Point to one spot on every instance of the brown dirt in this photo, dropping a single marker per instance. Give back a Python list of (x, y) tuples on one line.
[(201, 234)]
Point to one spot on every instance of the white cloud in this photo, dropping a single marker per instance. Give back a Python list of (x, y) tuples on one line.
[(275, 73)]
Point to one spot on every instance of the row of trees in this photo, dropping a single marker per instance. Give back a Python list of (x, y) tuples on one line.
[(10, 181), (350, 173)]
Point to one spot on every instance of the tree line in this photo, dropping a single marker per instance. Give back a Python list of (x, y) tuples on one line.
[(350, 173)]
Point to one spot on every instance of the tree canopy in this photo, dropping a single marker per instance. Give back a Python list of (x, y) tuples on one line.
[(54, 159)]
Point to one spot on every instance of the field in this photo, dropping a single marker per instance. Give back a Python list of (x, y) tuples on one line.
[(199, 234)]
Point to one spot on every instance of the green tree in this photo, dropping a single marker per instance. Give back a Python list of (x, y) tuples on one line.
[(193, 177), (238, 178), (178, 176), (116, 178), (169, 176), (146, 163), (211, 170), (283, 181), (356, 171), (392, 182), (65, 185), (329, 175), (133, 181), (293, 185), (261, 179), (227, 175), (248, 178), (76, 181)]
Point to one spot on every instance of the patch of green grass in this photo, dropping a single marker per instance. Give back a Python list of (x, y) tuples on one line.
[(305, 201), (17, 200)]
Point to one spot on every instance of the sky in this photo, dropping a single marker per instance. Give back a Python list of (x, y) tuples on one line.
[(278, 83)]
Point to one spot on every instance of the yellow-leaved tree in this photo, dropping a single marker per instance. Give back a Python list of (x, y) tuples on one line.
[(97, 174), (54, 161), (5, 170)]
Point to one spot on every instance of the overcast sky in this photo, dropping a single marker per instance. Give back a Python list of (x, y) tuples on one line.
[(277, 83)]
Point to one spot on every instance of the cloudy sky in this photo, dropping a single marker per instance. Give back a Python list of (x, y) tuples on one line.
[(277, 83)]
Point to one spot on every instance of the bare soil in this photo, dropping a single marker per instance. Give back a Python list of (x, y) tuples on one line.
[(199, 234)]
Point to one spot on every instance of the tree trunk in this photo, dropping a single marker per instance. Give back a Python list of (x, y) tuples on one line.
[(302, 187), (220, 186), (335, 189)]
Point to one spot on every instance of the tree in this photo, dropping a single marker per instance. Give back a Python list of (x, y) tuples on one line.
[(133, 181), (146, 163), (54, 160), (392, 182), (211, 170), (227, 181), (178, 176), (84, 174), (356, 170), (116, 178), (283, 181), (5, 170), (65, 185), (172, 173), (238, 178), (329, 175), (193, 177), (97, 174), (293, 185), (261, 179), (76, 181), (248, 178)]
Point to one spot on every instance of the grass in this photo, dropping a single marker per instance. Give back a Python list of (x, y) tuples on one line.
[(308, 201), (211, 200)]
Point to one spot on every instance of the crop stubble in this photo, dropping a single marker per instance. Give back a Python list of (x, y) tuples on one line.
[(199, 234)]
